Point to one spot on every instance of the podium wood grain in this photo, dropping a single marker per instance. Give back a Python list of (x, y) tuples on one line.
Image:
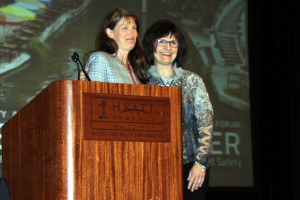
[(45, 156)]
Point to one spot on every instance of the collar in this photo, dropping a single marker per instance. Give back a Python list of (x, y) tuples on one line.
[(177, 72)]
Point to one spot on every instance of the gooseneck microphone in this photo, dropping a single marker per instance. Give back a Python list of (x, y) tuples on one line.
[(75, 58)]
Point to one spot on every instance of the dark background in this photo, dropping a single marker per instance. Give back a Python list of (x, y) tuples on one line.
[(274, 54)]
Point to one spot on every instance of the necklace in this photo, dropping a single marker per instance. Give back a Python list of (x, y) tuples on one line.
[(167, 81)]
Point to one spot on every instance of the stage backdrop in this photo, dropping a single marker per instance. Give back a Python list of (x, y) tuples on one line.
[(36, 50)]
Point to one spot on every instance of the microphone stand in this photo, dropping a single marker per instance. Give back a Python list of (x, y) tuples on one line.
[(75, 58)]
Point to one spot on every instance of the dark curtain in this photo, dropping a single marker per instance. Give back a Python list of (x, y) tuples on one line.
[(274, 83), (274, 60)]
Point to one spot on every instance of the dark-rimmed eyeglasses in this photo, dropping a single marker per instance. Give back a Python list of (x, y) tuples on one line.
[(163, 43)]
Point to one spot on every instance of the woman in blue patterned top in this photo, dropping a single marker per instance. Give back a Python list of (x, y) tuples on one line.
[(118, 54), (165, 47)]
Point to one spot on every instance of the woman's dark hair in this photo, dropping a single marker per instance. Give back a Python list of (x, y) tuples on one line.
[(106, 44), (159, 29)]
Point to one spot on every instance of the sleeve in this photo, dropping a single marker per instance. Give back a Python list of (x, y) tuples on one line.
[(204, 117), (97, 66)]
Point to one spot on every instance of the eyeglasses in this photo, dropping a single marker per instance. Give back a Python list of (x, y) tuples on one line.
[(163, 43)]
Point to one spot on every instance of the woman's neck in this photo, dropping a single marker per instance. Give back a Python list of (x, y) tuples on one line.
[(165, 71), (123, 58)]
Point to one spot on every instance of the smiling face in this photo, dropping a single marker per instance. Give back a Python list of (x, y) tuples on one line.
[(125, 34), (165, 52)]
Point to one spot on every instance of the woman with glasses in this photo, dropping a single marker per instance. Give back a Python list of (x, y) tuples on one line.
[(118, 53), (165, 48)]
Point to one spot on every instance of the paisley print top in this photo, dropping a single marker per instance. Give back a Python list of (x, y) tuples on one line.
[(197, 113)]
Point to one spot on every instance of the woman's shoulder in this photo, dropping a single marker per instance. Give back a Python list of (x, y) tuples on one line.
[(187, 74), (100, 57), (100, 54)]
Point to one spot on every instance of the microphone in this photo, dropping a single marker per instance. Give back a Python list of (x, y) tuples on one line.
[(75, 58)]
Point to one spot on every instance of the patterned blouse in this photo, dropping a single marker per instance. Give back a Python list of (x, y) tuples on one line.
[(197, 113), (104, 67)]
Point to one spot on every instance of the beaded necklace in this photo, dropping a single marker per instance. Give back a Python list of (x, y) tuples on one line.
[(167, 81)]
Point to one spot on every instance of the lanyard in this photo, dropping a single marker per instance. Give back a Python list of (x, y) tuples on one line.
[(131, 75)]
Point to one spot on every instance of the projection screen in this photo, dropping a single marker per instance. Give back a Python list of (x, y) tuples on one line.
[(36, 50)]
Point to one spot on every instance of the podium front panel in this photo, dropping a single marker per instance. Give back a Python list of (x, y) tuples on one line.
[(47, 154)]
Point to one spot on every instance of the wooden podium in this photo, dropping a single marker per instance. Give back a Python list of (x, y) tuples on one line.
[(90, 140)]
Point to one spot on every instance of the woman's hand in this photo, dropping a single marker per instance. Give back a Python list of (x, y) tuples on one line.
[(196, 177)]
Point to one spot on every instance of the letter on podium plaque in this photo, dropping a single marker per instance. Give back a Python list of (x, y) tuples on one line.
[(91, 140)]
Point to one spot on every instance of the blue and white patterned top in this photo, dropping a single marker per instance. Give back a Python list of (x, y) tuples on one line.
[(105, 67), (197, 113)]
